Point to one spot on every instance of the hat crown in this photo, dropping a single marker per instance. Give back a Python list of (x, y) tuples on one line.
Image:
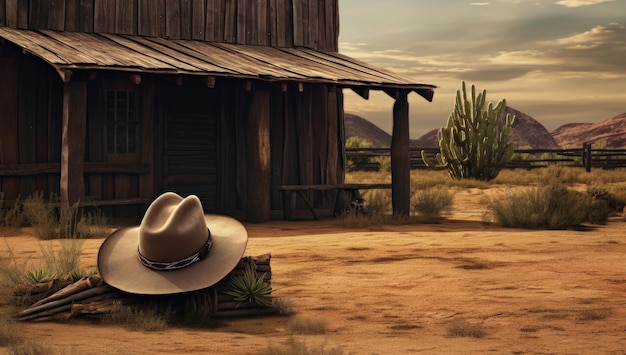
[(172, 228)]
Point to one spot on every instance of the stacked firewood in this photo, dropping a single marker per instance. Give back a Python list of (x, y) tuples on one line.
[(91, 296)]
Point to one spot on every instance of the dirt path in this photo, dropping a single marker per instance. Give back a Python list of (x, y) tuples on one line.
[(399, 290)]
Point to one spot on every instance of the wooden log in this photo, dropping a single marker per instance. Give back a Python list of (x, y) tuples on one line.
[(44, 308), (91, 296), (78, 286), (46, 313)]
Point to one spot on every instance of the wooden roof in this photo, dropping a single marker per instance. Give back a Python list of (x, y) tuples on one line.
[(67, 51)]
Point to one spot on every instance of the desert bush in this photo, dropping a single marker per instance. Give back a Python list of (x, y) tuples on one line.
[(135, 319), (549, 207), (41, 216), (12, 216), (358, 142), (72, 222), (308, 326), (55, 262), (463, 328), (558, 174), (64, 259), (295, 346), (430, 202)]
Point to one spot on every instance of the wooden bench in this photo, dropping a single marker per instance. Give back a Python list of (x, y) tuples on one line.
[(290, 192)]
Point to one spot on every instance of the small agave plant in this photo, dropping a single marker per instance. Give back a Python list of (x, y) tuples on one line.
[(39, 275), (248, 287)]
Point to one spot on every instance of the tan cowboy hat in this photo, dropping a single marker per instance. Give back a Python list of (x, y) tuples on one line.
[(176, 248)]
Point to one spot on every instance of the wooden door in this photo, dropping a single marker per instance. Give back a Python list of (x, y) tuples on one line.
[(190, 144)]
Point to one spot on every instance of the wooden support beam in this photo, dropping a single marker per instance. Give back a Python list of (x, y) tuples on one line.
[(73, 142), (393, 93), (362, 91), (210, 82), (258, 169), (248, 85), (135, 78), (427, 94), (65, 75), (400, 158)]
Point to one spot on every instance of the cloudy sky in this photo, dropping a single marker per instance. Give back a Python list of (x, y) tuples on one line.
[(559, 61)]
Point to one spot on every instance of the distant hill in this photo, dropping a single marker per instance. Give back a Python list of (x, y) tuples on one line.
[(612, 130), (357, 126), (526, 133)]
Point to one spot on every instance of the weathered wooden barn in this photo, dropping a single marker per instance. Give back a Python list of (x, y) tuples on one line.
[(116, 101)]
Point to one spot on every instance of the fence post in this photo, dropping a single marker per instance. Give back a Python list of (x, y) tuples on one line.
[(587, 156)]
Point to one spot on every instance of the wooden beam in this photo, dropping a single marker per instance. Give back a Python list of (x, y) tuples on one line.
[(210, 82), (135, 78), (427, 94), (258, 169), (362, 91), (393, 93), (73, 142), (400, 158), (248, 85)]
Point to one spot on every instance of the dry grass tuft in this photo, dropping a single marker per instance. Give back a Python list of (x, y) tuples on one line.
[(307, 326), (463, 328), (133, 319), (594, 314), (294, 346)]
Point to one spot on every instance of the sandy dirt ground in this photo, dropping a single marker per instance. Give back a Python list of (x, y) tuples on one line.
[(399, 290)]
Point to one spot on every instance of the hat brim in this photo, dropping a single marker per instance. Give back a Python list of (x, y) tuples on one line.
[(120, 267)]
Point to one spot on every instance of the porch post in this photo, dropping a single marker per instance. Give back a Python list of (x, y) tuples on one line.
[(258, 170), (400, 161), (72, 187)]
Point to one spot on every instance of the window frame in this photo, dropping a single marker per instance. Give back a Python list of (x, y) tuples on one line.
[(130, 126)]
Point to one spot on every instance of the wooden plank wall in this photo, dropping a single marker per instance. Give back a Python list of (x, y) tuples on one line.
[(30, 102), (278, 23)]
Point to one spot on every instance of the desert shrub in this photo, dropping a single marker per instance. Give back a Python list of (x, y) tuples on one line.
[(430, 202), (358, 142), (295, 346), (72, 222), (378, 203), (55, 262), (135, 319), (463, 328), (558, 174), (92, 224), (549, 207), (308, 326), (11, 216), (64, 259)]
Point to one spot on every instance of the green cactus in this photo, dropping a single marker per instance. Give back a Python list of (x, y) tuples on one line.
[(475, 142)]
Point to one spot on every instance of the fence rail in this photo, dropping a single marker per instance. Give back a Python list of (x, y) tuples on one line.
[(586, 156)]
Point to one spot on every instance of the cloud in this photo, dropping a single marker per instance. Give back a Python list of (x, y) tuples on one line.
[(479, 3), (578, 3), (593, 38)]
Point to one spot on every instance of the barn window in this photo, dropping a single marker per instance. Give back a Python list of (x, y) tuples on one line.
[(121, 121)]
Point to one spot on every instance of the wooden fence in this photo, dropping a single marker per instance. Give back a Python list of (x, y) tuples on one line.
[(586, 156)]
